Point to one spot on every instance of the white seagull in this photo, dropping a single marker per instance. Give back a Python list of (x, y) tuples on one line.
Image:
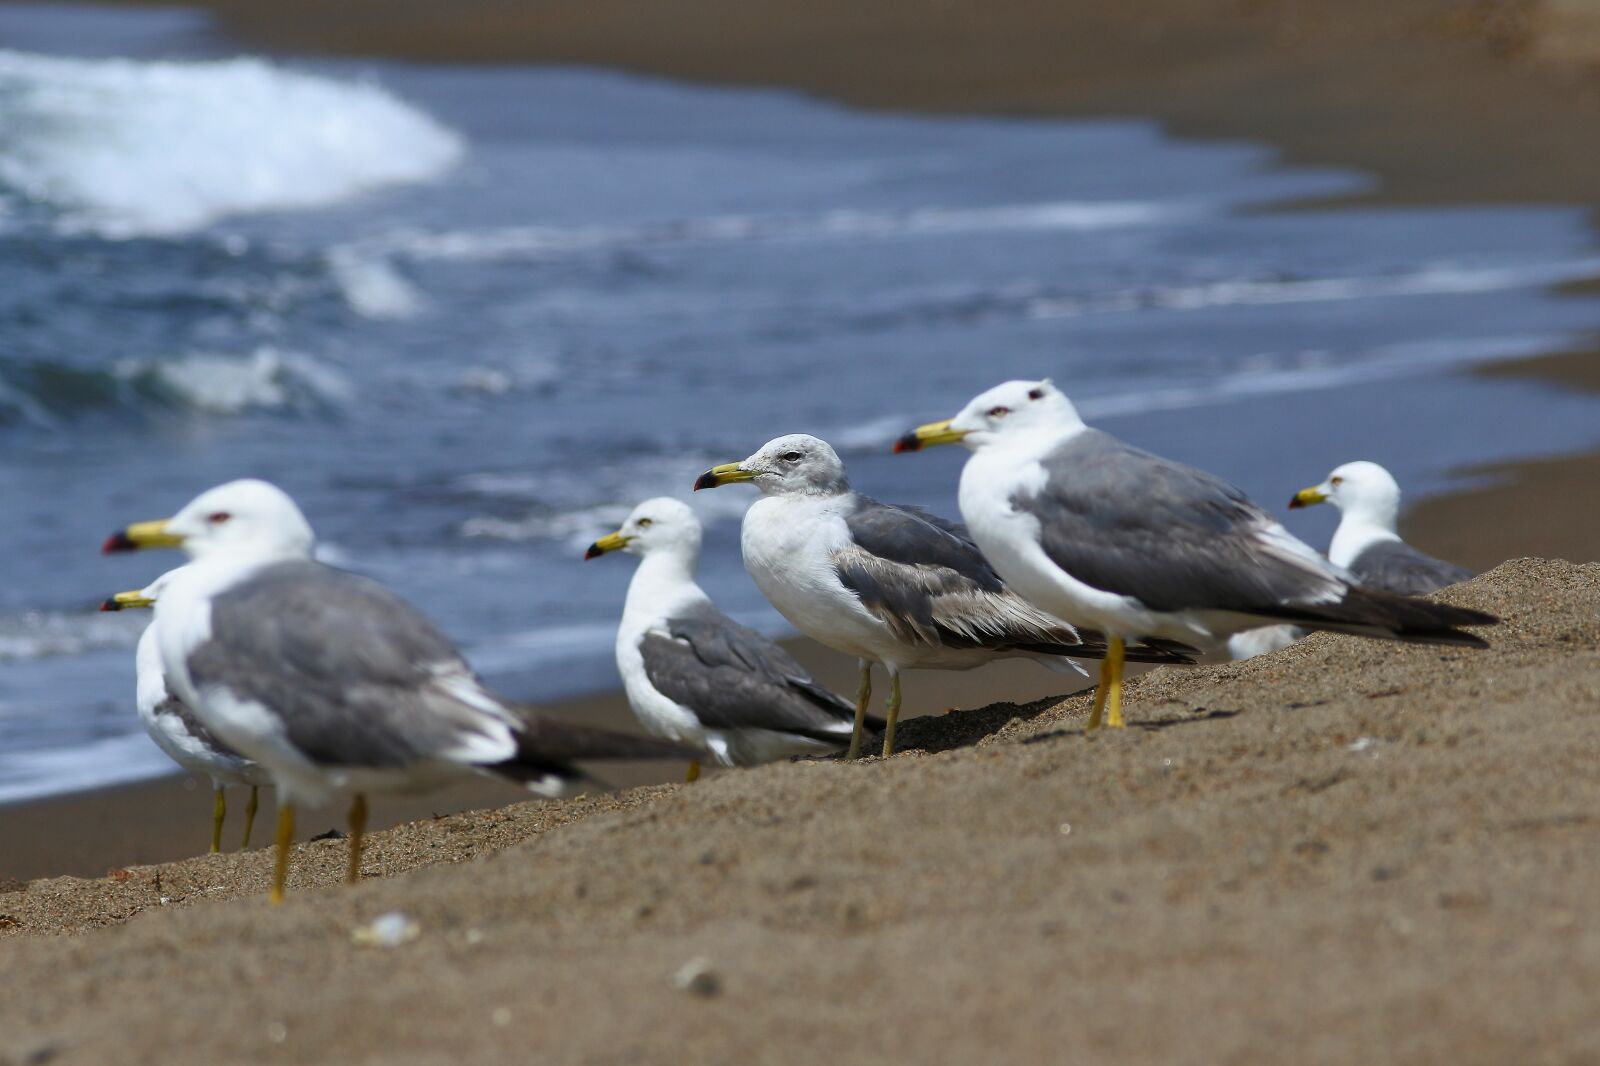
[(1101, 533), (331, 682), (887, 584), (176, 730), (695, 675), (1366, 544)]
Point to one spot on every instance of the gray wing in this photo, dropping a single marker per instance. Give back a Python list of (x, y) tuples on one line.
[(1395, 566), (732, 677), (925, 578), (357, 675), (1168, 535)]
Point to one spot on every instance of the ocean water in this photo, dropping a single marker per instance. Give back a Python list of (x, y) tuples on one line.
[(469, 316)]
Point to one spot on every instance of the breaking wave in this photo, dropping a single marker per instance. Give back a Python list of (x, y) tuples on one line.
[(125, 148)]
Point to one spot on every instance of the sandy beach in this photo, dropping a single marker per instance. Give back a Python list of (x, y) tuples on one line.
[(1343, 852)]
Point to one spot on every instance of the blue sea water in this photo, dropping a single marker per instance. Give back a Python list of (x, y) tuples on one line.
[(469, 316)]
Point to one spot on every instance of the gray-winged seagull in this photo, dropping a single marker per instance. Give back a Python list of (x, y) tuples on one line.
[(887, 584), (695, 675), (1101, 533), (330, 681), (1366, 543)]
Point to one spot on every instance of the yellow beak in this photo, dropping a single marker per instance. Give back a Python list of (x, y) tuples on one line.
[(142, 535), (609, 543), (1307, 497), (123, 601), (929, 435), (726, 474)]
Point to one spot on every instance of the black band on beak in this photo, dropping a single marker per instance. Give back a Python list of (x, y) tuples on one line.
[(908, 442), (595, 551), (110, 605), (118, 542), (708, 480)]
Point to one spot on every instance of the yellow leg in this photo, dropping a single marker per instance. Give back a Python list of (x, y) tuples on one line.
[(893, 714), (280, 870), (1097, 711), (358, 825), (250, 815), (1114, 660), (1108, 693), (219, 811), (863, 698), (694, 771)]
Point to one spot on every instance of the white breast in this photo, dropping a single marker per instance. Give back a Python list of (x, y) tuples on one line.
[(788, 544)]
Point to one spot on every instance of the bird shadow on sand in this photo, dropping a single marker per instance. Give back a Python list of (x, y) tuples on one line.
[(934, 733), (955, 729), (1148, 727)]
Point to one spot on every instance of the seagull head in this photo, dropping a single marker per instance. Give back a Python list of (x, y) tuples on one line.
[(1008, 410), (663, 525), (245, 517), (794, 465), (1362, 490), (145, 597)]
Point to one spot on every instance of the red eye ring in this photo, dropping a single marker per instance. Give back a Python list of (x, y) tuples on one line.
[(216, 518)]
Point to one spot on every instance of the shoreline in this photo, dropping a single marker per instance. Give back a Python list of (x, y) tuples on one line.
[(86, 833), (1446, 103)]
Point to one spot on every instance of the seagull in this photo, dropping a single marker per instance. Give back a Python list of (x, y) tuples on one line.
[(176, 730), (695, 675), (1366, 543), (328, 680), (887, 584), (1101, 533)]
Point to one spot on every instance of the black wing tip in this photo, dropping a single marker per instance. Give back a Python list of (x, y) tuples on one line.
[(1370, 612)]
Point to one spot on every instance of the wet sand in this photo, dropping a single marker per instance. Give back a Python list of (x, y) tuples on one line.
[(1343, 852)]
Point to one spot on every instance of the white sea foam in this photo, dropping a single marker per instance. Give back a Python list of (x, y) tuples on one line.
[(520, 242), (576, 525), (1269, 374), (371, 285), (44, 634), (127, 148), (1442, 279), (267, 379), (89, 764)]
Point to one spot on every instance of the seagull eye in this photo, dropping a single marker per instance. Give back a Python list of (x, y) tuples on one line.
[(792, 457), (1336, 481), (1035, 394), (999, 412), (216, 518), (644, 523)]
